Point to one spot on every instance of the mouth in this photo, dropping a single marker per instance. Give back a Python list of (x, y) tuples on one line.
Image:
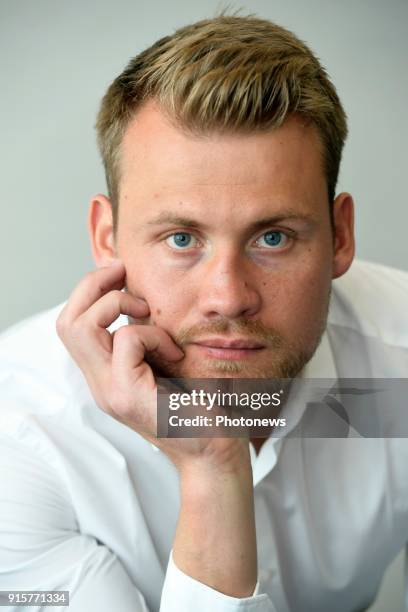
[(228, 348)]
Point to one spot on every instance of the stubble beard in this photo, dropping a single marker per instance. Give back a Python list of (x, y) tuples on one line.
[(283, 359)]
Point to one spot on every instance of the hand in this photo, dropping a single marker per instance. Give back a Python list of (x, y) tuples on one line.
[(215, 473), (114, 365)]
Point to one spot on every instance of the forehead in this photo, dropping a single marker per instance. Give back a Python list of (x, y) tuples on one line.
[(157, 158)]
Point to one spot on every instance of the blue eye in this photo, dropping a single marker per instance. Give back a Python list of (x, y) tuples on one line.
[(180, 240), (274, 239)]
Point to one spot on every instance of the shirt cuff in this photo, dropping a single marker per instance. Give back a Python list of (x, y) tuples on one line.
[(181, 593)]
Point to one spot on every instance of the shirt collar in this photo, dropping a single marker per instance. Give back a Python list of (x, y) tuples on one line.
[(321, 365)]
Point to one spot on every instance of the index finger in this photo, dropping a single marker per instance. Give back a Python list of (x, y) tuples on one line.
[(92, 287)]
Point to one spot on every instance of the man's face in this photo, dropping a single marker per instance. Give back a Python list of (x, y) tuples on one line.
[(227, 238)]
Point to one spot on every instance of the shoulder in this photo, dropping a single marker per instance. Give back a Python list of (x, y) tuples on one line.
[(33, 341), (37, 374), (372, 299)]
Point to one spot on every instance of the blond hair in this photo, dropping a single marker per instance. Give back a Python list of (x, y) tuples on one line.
[(229, 73)]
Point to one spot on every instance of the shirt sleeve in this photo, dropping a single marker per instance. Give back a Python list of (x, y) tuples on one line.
[(41, 547), (182, 593)]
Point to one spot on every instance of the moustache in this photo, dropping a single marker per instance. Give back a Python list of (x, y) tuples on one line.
[(253, 330)]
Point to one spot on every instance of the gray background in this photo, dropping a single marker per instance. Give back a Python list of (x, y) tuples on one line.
[(56, 60)]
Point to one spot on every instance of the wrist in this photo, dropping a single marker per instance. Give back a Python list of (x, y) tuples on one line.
[(224, 457), (204, 480)]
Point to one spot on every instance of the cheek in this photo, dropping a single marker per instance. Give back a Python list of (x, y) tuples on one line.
[(169, 296), (298, 300)]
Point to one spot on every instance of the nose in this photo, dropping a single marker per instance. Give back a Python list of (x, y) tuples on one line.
[(228, 287)]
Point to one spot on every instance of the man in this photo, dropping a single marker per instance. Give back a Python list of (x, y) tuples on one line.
[(218, 245)]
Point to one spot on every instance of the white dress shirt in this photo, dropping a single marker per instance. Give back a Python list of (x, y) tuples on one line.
[(88, 506)]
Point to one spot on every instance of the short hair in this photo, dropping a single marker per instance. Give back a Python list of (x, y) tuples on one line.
[(229, 73)]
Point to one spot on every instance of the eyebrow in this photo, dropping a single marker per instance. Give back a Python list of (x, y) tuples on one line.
[(166, 217)]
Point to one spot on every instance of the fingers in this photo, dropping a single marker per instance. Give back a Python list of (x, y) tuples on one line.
[(113, 304), (130, 344), (114, 365), (82, 323), (92, 287)]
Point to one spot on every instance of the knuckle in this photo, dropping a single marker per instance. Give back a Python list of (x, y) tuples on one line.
[(77, 329), (117, 294), (122, 333), (65, 328), (78, 332), (117, 297), (128, 333)]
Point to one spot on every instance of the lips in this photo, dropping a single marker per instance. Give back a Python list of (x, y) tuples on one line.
[(230, 349), (235, 343)]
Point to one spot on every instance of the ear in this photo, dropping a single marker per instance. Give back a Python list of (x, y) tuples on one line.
[(344, 244), (100, 228)]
